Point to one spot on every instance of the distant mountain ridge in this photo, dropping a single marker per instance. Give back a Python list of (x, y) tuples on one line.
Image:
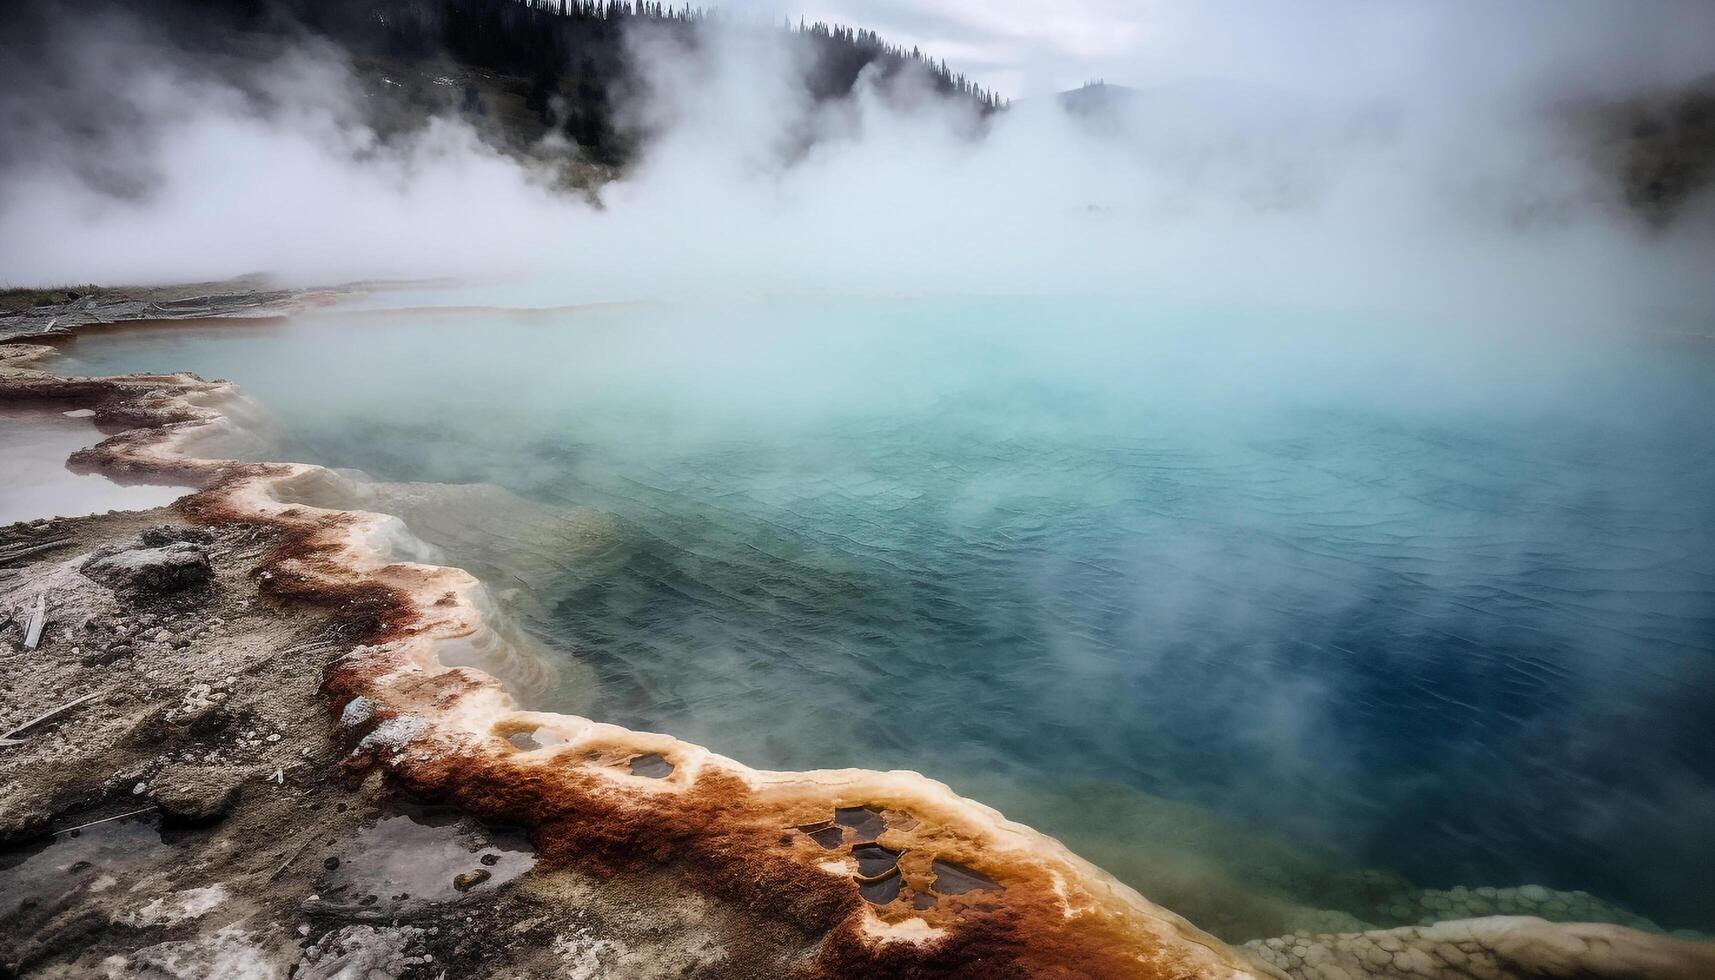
[(1097, 96), (1658, 147), (539, 78)]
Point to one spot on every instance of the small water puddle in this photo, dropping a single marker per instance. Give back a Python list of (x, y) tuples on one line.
[(406, 862), (94, 859), (541, 738), (956, 879), (652, 766), (35, 483)]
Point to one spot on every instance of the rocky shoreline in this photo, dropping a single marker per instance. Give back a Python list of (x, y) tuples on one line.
[(221, 836), (245, 298), (268, 716)]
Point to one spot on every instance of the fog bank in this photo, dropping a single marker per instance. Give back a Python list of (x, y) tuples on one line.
[(1447, 181)]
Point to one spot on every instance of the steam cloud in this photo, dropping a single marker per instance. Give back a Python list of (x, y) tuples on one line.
[(1406, 158), (1341, 154)]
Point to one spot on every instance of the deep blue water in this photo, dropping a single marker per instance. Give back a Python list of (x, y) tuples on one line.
[(1237, 604)]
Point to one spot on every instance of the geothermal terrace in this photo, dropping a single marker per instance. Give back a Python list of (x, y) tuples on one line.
[(238, 752)]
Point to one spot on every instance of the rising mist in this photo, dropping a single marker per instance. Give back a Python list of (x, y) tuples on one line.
[(1402, 159)]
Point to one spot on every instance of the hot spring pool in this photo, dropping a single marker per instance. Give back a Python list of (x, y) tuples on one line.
[(1290, 621)]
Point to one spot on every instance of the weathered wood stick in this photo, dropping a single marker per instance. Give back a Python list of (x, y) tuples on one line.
[(7, 738), (38, 619), (116, 816), (10, 555), (294, 856)]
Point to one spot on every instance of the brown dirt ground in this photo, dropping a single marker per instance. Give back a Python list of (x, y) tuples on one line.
[(207, 715)]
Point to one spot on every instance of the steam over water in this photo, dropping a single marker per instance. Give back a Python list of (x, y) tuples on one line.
[(1237, 603)]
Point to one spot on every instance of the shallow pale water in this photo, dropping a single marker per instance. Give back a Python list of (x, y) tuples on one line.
[(34, 481), (1237, 604)]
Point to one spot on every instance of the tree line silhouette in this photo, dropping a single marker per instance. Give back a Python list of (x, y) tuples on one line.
[(573, 52)]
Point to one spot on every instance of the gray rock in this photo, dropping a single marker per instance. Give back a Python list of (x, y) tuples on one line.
[(170, 568), (23, 822), (166, 534), (196, 795)]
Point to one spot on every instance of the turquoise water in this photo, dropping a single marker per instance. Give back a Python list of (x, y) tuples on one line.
[(1286, 619)]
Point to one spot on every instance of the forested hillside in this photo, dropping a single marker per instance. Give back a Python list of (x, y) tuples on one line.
[(552, 80), (526, 69)]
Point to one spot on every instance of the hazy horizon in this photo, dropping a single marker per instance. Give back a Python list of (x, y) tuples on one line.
[(135, 162)]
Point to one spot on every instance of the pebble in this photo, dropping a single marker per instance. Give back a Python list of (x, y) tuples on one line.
[(470, 879)]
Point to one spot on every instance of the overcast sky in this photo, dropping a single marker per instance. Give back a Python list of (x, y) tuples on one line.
[(1026, 47)]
